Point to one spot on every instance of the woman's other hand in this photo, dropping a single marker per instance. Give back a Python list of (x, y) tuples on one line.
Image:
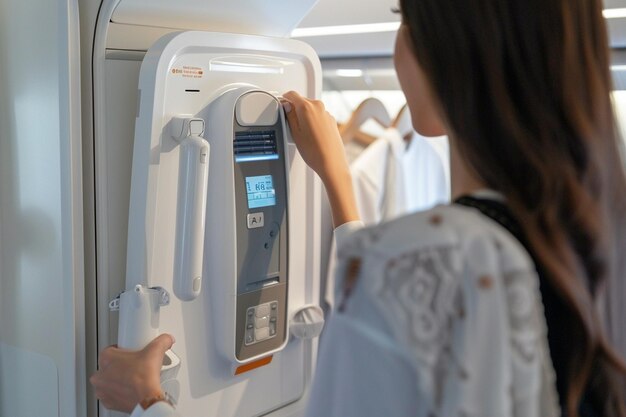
[(318, 140), (124, 378)]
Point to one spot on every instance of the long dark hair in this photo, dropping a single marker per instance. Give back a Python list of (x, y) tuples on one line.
[(525, 90)]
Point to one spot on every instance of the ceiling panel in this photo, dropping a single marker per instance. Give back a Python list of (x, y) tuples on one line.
[(235, 16), (614, 4), (351, 12), (378, 74)]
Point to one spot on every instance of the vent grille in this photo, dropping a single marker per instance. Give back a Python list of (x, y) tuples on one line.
[(252, 146)]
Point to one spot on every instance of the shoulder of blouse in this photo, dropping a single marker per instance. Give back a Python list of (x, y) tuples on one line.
[(444, 225)]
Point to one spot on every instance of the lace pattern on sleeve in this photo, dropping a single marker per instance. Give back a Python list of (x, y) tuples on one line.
[(421, 298), (420, 290)]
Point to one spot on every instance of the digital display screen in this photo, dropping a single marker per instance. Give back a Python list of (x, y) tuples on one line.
[(261, 191)]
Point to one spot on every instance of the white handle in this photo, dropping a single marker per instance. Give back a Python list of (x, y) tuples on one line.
[(139, 317), (192, 193)]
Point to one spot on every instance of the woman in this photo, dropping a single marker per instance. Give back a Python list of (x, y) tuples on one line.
[(485, 307)]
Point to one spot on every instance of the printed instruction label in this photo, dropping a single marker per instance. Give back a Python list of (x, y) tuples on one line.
[(188, 72)]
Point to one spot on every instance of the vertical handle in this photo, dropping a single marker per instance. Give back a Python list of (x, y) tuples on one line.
[(139, 317), (192, 193)]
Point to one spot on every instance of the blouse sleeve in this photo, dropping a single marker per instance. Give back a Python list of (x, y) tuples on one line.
[(345, 231), (359, 373)]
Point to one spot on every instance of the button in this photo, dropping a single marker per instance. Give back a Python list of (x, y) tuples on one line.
[(204, 152), (250, 326), (274, 305), (262, 334), (262, 322), (273, 320), (272, 329), (263, 310), (249, 337), (196, 127), (251, 312), (256, 220), (196, 284), (274, 230)]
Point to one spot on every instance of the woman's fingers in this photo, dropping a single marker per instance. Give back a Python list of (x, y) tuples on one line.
[(126, 377), (159, 345), (292, 117)]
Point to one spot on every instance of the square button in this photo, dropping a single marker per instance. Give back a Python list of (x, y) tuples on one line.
[(263, 310), (262, 334), (256, 220), (262, 322)]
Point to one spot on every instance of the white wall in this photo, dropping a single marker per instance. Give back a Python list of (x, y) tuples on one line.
[(41, 283)]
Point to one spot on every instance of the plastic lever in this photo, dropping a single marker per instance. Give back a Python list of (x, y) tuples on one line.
[(192, 194)]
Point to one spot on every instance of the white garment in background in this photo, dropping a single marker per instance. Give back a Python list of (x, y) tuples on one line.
[(391, 180), (444, 319), (353, 150), (441, 145)]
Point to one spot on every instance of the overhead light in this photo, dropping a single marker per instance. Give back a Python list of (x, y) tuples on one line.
[(345, 29), (614, 13), (242, 67), (393, 26), (618, 67), (351, 73)]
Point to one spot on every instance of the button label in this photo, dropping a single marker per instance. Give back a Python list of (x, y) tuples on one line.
[(256, 220)]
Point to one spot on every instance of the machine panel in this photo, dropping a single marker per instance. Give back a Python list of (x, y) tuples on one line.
[(262, 237)]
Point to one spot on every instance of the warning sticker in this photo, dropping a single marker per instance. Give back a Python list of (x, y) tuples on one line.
[(188, 72)]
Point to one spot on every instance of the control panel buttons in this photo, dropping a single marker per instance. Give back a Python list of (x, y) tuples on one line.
[(261, 323), (256, 220)]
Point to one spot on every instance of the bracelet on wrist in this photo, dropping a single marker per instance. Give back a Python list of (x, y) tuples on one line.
[(163, 396)]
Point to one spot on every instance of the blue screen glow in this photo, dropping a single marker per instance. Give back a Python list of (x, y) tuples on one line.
[(260, 191)]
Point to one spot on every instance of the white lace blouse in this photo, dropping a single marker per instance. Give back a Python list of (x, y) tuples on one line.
[(441, 316)]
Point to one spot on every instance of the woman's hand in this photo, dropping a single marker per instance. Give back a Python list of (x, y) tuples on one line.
[(318, 140), (125, 378), (315, 133)]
